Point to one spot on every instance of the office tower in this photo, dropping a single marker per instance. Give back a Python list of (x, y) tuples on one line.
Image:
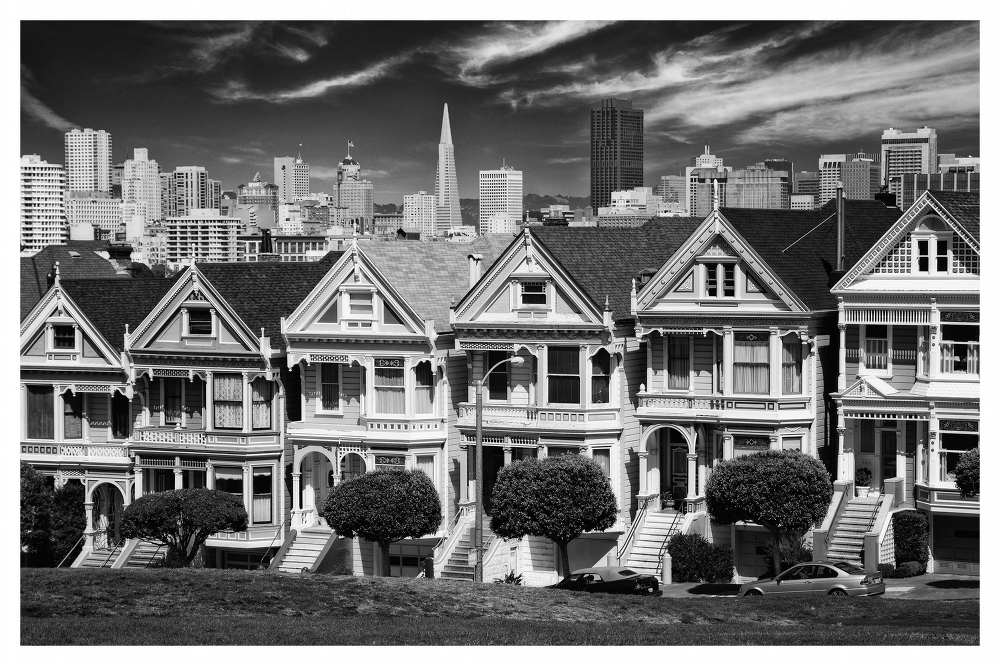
[(291, 175), (88, 160), (419, 212), (707, 160), (909, 186), (214, 194), (757, 188), (355, 196), (616, 159), (262, 199), (857, 172), (201, 235), (168, 207), (189, 189), (779, 165), (699, 191), (908, 152), (807, 182), (449, 214), (98, 210), (43, 203), (672, 189), (501, 199), (141, 184)]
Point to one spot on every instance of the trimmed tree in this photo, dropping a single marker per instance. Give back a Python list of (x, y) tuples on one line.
[(967, 473), (384, 506), (183, 519), (36, 509), (68, 519), (784, 491), (557, 498)]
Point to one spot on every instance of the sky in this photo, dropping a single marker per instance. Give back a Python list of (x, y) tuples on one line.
[(232, 96)]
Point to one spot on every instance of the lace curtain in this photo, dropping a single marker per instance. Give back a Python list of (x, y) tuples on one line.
[(424, 397), (261, 392), (791, 368), (750, 366), (678, 361), (228, 401)]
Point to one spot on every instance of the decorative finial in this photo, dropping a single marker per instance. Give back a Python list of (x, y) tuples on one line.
[(56, 269), (607, 301)]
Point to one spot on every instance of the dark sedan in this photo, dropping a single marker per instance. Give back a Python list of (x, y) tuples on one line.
[(613, 580)]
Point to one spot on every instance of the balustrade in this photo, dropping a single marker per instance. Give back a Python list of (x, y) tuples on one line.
[(650, 401), (77, 450), (539, 417)]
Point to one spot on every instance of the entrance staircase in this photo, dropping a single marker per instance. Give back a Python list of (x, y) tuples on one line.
[(646, 555), (146, 554), (849, 534), (461, 564), (101, 558), (308, 545)]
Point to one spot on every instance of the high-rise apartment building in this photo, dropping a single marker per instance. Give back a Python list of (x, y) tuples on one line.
[(616, 145), (757, 188), (168, 207), (201, 235), (950, 163), (699, 189), (291, 175), (188, 190), (419, 212), (355, 196), (141, 184), (449, 213), (43, 203), (857, 172), (88, 160), (501, 195), (908, 152), (95, 209), (214, 194), (779, 165), (909, 186)]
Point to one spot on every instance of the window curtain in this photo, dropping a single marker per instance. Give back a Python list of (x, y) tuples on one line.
[(330, 386), (262, 494), (172, 400), (791, 367), (603, 458), (425, 464), (750, 366), (425, 388), (72, 416), (600, 380), (564, 375), (497, 382), (228, 404), (121, 416), (390, 395), (41, 424), (261, 391), (678, 362), (228, 480)]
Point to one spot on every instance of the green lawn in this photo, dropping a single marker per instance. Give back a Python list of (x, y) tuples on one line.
[(210, 607)]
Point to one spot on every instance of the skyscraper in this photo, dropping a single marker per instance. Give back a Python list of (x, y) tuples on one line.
[(141, 184), (291, 175), (501, 199), (88, 160), (190, 189), (418, 213), (449, 214), (616, 160), (43, 203), (700, 195)]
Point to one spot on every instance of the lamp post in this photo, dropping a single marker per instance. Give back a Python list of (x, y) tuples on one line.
[(515, 361)]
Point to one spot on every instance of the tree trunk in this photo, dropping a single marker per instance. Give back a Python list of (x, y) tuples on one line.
[(776, 550), (564, 556), (384, 548)]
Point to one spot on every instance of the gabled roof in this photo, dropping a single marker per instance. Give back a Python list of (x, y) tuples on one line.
[(604, 260), (964, 209), (428, 274), (110, 305), (76, 262), (800, 246), (262, 293)]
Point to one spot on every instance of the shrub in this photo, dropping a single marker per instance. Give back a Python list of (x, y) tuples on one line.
[(863, 477), (911, 538), (908, 569), (793, 551), (36, 510), (509, 579), (693, 559), (68, 519), (887, 570), (967, 473)]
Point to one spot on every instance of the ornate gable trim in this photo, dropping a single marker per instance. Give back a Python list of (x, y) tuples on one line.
[(867, 386), (58, 302)]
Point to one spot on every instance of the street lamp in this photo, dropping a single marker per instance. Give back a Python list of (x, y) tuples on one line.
[(515, 361)]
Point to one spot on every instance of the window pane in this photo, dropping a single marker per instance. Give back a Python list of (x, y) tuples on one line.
[(425, 464), (64, 337), (172, 400), (228, 401), (711, 280), (497, 383), (72, 416), (942, 256), (229, 480), (424, 398), (330, 386), (750, 366), (199, 322), (564, 389), (361, 304), (533, 293), (390, 396), (261, 392), (262, 494), (791, 367), (678, 365), (923, 264), (564, 360), (41, 424), (121, 416), (729, 280), (603, 458)]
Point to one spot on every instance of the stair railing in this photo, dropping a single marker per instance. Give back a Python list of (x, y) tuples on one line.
[(878, 505), (152, 558), (112, 553), (639, 515), (70, 552), (663, 548), (278, 531)]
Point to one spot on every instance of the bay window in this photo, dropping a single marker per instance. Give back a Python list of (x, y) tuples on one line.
[(751, 363), (499, 380), (564, 375), (329, 387), (600, 378), (228, 401), (953, 445), (261, 391), (262, 489), (228, 480), (791, 366), (678, 362), (72, 416), (424, 396), (390, 391), (40, 417)]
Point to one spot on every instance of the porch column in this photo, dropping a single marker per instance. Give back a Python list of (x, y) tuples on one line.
[(775, 442), (692, 475), (933, 457), (88, 509), (247, 404), (508, 456), (369, 385), (296, 489), (702, 474), (727, 361), (248, 490), (209, 400), (649, 363), (543, 376), (842, 358), (463, 474), (137, 472), (643, 470), (209, 475), (774, 352), (934, 346), (178, 474), (728, 451), (845, 458)]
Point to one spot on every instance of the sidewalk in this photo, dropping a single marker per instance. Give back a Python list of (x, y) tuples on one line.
[(927, 586)]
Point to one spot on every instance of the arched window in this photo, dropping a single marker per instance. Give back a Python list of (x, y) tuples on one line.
[(352, 466)]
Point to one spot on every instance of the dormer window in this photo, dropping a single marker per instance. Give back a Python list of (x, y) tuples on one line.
[(932, 247), (361, 304), (64, 337), (199, 322), (720, 280), (533, 294), (925, 258)]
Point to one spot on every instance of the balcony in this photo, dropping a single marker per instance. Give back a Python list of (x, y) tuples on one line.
[(61, 452), (400, 429), (597, 417), (754, 408), (253, 537), (155, 438)]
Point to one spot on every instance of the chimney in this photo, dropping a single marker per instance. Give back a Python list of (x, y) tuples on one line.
[(646, 276), (838, 271), (475, 269)]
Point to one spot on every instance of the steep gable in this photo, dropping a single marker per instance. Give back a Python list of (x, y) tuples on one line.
[(75, 263)]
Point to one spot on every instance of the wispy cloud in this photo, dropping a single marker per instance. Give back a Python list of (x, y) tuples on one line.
[(566, 160), (37, 110)]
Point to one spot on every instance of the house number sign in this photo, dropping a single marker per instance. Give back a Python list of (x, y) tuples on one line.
[(394, 461)]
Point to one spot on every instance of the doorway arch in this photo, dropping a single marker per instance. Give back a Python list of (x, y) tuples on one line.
[(107, 505)]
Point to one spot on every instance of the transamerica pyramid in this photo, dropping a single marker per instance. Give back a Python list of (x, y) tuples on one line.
[(446, 182)]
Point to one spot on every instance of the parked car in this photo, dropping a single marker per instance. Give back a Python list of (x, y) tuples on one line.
[(819, 578), (613, 580)]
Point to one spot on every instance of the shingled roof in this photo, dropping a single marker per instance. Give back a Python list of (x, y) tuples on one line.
[(262, 293), (800, 246), (428, 274), (76, 262), (604, 260), (963, 206), (110, 305)]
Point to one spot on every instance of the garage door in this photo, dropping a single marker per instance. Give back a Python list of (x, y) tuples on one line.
[(956, 544), (753, 548)]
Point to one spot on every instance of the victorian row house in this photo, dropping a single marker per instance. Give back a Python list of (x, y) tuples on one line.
[(657, 351)]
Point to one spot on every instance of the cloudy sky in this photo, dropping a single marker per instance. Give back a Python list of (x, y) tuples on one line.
[(231, 96)]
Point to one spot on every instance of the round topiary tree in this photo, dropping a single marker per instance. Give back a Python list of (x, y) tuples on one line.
[(384, 506), (967, 473), (784, 491), (36, 510), (183, 519), (557, 498)]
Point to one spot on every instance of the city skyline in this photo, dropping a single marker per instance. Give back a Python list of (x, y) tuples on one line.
[(233, 96)]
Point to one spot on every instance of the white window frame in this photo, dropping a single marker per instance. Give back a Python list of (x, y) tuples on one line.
[(546, 290), (361, 321), (186, 332), (50, 338), (718, 264), (863, 368), (319, 389), (932, 238)]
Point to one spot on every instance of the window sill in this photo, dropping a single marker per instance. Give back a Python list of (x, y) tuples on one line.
[(731, 302)]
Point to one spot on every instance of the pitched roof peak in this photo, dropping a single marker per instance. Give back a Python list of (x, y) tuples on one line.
[(445, 126)]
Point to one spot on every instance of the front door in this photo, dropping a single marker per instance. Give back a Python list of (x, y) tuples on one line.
[(887, 446), (866, 455), (492, 463)]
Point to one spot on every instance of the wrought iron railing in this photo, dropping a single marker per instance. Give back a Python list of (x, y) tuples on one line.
[(639, 515), (82, 537)]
